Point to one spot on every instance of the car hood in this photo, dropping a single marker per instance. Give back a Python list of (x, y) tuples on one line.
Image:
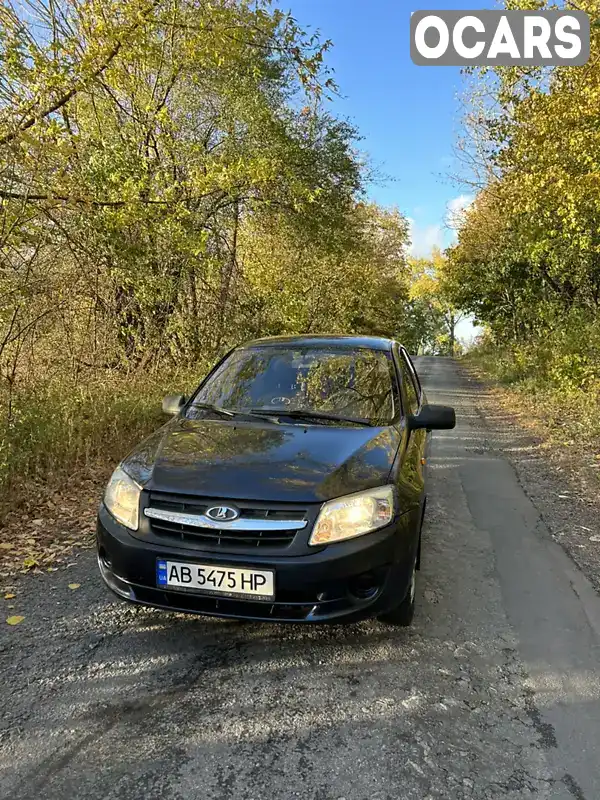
[(263, 460)]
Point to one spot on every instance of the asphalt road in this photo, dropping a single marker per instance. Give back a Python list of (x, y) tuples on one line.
[(494, 693)]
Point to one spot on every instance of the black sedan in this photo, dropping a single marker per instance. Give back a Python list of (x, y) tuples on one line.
[(289, 487)]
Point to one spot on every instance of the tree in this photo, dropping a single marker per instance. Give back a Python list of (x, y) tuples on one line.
[(138, 139), (527, 261), (430, 288)]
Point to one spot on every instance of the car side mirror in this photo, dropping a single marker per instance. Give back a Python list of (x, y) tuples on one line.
[(173, 403), (433, 418)]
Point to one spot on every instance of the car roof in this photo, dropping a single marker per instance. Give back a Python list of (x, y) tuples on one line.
[(324, 340)]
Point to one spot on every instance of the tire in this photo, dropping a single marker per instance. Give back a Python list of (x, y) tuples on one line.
[(403, 614)]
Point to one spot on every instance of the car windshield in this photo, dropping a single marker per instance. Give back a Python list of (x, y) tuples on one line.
[(350, 383)]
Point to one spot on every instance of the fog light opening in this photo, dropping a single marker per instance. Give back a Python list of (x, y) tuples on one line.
[(102, 555), (118, 585), (365, 586)]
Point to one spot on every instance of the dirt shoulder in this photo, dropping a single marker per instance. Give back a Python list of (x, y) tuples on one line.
[(41, 535), (559, 470)]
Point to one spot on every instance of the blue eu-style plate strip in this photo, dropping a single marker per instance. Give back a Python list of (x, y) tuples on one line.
[(161, 573)]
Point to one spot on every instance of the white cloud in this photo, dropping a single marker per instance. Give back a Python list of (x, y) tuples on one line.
[(424, 238), (455, 210)]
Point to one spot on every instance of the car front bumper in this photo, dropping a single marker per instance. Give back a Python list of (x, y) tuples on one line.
[(327, 585)]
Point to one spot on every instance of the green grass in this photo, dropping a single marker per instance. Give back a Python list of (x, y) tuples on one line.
[(567, 409), (59, 431)]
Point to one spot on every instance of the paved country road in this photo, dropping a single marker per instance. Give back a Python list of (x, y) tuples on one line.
[(493, 694)]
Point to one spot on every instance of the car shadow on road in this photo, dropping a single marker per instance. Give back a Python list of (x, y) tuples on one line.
[(137, 703)]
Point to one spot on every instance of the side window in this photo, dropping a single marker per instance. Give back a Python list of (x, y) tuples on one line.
[(411, 384)]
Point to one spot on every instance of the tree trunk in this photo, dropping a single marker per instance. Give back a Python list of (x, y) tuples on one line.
[(452, 325), (228, 276)]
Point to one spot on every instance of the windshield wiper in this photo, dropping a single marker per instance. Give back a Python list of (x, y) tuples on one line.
[(217, 409), (227, 412), (297, 413)]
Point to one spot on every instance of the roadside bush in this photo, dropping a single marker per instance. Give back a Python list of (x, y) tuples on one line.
[(556, 377), (58, 430)]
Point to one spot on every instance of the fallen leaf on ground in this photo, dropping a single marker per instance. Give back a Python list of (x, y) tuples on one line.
[(14, 620), (6, 546), (9, 596), (74, 585)]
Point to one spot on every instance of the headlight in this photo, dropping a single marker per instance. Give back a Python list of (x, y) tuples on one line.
[(354, 515), (122, 499)]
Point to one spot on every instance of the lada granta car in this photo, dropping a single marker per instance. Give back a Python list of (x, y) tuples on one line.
[(290, 486)]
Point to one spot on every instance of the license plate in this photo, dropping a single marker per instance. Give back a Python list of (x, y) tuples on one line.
[(218, 580)]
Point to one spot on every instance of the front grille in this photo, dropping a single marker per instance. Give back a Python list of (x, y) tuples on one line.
[(273, 535), (280, 611)]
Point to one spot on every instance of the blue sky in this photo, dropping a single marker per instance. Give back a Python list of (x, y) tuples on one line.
[(409, 116)]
